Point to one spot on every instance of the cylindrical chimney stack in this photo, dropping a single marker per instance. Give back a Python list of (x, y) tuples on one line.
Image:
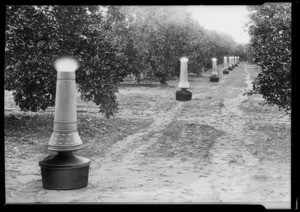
[(65, 136), (235, 61), (183, 94), (214, 66), (231, 64), (183, 80), (225, 70), (214, 72), (225, 63)]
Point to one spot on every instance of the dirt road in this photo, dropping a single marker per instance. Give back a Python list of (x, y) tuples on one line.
[(219, 147)]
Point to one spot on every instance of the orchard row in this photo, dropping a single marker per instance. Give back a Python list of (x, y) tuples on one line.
[(109, 42)]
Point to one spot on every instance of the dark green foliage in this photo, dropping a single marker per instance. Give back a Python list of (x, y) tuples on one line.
[(270, 32), (161, 35), (36, 35)]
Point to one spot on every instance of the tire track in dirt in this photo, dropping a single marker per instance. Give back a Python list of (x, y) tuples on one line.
[(161, 121), (229, 155), (122, 150), (226, 149)]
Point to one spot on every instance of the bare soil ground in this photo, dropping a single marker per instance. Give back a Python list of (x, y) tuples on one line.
[(220, 147)]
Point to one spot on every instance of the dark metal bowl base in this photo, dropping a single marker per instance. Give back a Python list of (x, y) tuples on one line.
[(214, 79), (64, 171), (183, 95)]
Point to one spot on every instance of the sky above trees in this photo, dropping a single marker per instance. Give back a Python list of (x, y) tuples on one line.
[(229, 19)]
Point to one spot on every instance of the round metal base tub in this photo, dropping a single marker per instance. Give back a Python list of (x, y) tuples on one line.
[(214, 79), (64, 171), (183, 95)]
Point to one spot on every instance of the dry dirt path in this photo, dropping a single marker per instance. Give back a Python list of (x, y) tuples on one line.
[(194, 152)]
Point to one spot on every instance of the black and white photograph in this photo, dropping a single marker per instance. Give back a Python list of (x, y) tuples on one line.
[(148, 104)]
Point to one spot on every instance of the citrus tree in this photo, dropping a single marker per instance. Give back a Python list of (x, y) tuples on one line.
[(270, 30), (36, 35)]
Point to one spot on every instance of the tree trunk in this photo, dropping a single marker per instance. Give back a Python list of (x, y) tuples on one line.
[(138, 78), (163, 81)]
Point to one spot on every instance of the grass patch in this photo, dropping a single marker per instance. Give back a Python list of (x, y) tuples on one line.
[(26, 134), (270, 141), (254, 104), (185, 140), (202, 107), (134, 102)]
